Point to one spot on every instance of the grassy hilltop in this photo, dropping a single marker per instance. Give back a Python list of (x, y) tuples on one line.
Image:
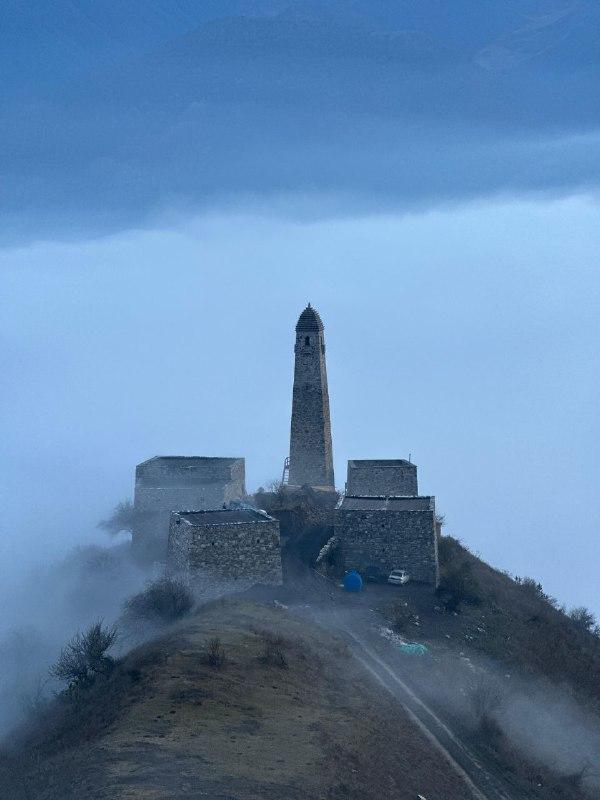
[(288, 715)]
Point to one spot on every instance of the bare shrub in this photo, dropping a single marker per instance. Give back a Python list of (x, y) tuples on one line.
[(402, 616), (458, 585), (124, 518), (273, 650), (84, 658), (163, 601), (583, 618), (449, 549), (215, 654), (535, 590), (276, 488)]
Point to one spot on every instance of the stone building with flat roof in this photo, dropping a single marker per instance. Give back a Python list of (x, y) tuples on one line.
[(171, 483), (388, 526), (382, 477), (238, 544)]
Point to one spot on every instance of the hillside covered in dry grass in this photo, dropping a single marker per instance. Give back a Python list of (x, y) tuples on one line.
[(288, 714)]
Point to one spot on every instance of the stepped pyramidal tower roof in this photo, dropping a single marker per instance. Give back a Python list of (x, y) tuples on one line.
[(311, 452), (309, 320)]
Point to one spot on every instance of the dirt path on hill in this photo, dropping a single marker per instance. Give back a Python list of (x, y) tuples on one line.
[(483, 784), (357, 629)]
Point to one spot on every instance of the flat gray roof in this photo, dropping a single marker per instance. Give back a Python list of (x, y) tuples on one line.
[(380, 462), (396, 503), (223, 516), (183, 460)]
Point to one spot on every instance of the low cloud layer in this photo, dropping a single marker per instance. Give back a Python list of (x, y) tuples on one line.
[(348, 105)]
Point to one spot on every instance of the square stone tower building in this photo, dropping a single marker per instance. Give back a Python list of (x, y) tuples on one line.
[(311, 453), (382, 523), (236, 544), (177, 483), (382, 477)]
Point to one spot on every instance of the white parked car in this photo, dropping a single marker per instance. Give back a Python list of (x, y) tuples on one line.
[(398, 577)]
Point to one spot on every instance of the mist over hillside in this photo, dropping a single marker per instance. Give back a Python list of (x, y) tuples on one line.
[(111, 114), (202, 593)]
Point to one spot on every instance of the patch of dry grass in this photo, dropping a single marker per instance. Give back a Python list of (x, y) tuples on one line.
[(255, 731)]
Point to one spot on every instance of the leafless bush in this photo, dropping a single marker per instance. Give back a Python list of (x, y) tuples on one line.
[(535, 589), (163, 601), (458, 586), (277, 489), (84, 658), (449, 549), (583, 618), (402, 616), (215, 653), (125, 517), (273, 650)]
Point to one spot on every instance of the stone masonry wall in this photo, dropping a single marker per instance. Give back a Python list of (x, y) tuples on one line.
[(156, 504), (172, 484), (389, 540), (382, 477), (311, 453), (244, 551)]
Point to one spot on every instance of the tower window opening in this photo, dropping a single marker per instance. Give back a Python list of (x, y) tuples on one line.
[(306, 341)]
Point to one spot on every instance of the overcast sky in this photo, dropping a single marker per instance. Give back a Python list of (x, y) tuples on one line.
[(466, 336)]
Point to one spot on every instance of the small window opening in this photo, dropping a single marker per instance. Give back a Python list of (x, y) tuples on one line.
[(306, 340)]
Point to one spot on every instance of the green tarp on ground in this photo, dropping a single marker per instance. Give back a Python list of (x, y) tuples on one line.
[(413, 649)]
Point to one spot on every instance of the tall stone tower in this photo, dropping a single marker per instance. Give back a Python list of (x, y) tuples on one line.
[(311, 455)]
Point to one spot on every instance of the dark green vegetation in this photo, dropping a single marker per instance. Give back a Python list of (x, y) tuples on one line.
[(516, 622)]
